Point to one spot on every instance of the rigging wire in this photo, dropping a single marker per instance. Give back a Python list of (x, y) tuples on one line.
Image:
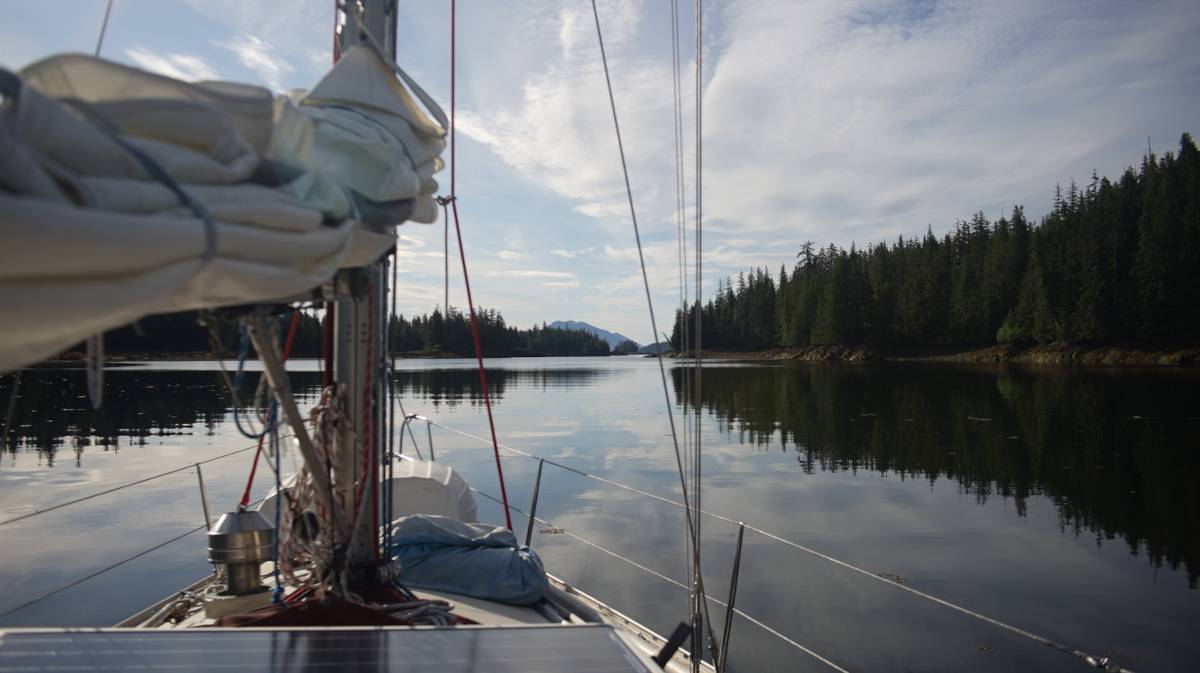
[(699, 253), (103, 27), (487, 400), (680, 326), (675, 582), (12, 408), (105, 569), (1090, 659), (650, 306), (126, 485), (445, 261)]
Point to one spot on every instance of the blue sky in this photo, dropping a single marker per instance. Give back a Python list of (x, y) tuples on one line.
[(834, 121)]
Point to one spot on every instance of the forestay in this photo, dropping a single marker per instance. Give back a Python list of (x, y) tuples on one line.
[(125, 193)]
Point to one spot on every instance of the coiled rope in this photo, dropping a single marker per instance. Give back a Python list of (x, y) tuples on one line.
[(287, 349)]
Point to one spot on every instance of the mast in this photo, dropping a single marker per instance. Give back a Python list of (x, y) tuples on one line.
[(359, 351)]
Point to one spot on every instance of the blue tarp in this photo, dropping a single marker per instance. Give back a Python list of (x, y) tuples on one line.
[(474, 559)]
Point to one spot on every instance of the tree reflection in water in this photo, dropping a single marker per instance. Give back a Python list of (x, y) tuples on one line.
[(1114, 449), (53, 409)]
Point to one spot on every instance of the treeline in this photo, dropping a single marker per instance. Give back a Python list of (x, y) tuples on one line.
[(182, 333), (1112, 262), (452, 334)]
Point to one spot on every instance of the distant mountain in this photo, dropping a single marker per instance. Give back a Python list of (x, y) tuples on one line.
[(660, 347), (611, 337)]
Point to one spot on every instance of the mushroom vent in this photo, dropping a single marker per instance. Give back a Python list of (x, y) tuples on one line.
[(241, 541)]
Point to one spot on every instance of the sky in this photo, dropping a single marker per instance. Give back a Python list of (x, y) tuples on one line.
[(835, 121)]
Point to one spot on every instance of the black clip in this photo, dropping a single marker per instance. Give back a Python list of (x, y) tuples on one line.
[(677, 638)]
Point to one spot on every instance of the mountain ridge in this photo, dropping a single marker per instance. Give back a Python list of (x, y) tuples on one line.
[(613, 338)]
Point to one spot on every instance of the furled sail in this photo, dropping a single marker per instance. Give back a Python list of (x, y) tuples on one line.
[(125, 193)]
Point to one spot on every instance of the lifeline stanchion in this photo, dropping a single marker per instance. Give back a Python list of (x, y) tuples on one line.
[(203, 496), (537, 487), (1090, 659), (677, 583), (733, 583)]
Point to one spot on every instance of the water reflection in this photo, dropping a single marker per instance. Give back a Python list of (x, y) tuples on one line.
[(53, 412), (453, 387), (1115, 451)]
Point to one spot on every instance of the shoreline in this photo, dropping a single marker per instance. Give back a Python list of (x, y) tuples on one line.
[(208, 356), (1048, 354)]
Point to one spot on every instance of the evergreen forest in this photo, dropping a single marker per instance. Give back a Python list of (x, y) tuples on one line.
[(1113, 262), (432, 333)]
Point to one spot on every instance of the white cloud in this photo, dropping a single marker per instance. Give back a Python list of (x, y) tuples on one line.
[(298, 36), (624, 283), (180, 66), (628, 254), (519, 273), (844, 121), (550, 279), (559, 132), (511, 255), (824, 120), (571, 254), (261, 57)]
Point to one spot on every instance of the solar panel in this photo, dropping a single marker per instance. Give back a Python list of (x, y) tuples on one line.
[(533, 649)]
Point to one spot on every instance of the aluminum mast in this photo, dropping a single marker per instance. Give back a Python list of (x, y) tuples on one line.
[(359, 317)]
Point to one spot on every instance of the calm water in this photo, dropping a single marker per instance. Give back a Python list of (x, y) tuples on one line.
[(1062, 501)]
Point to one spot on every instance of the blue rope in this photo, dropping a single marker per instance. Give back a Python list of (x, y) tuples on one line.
[(277, 594), (160, 174), (238, 377)]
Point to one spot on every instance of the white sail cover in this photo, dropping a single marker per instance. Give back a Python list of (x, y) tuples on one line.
[(125, 193)]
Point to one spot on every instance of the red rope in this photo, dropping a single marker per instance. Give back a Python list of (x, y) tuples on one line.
[(370, 467), (287, 348), (483, 383), (327, 346)]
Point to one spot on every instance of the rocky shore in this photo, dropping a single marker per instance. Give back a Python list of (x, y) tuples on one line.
[(1048, 354)]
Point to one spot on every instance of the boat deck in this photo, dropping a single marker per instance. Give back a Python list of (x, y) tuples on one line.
[(564, 607), (595, 648)]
